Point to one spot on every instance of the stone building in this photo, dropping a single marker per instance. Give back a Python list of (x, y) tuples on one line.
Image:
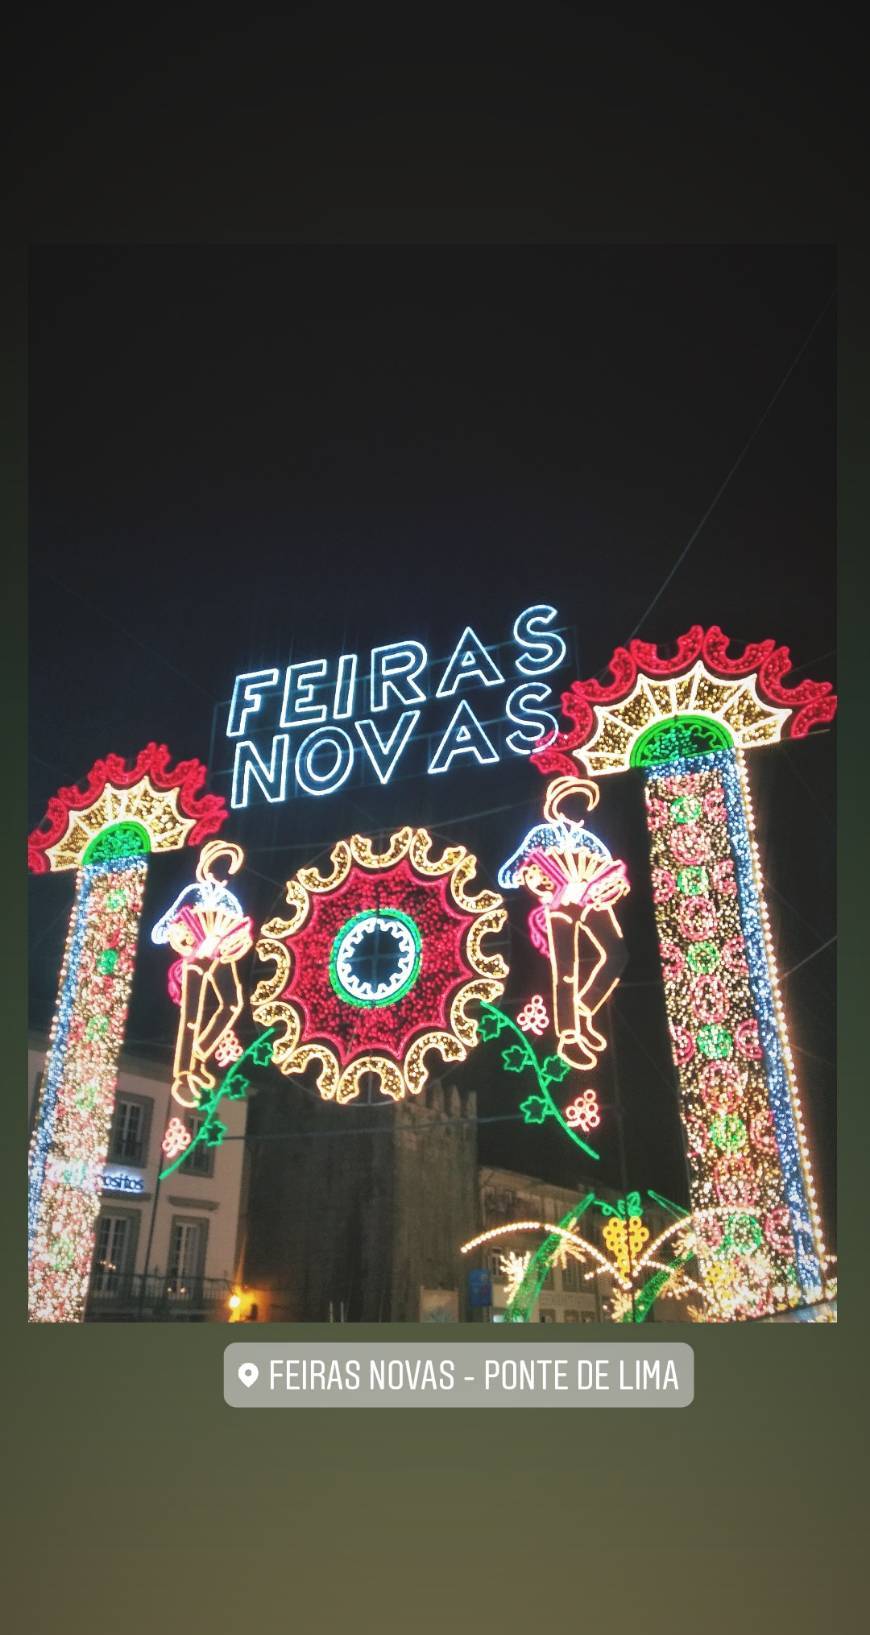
[(357, 1213)]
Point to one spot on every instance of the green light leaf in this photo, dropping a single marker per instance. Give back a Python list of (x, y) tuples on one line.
[(261, 1052), (555, 1069), (214, 1132), (515, 1058), (491, 1024), (535, 1110), (237, 1087)]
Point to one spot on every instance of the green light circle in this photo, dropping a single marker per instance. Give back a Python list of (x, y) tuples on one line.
[(118, 840), (358, 919), (679, 738), (685, 809), (728, 1132), (702, 958), (714, 1041), (693, 881), (745, 1223)]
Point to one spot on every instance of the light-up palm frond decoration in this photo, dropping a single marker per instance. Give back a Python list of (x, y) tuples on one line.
[(660, 709)]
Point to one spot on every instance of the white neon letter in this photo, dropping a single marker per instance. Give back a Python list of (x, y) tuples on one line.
[(379, 751), (345, 687), (519, 708), (465, 736), (398, 659), (529, 632), (299, 692), (323, 783), (470, 658), (271, 779), (247, 698)]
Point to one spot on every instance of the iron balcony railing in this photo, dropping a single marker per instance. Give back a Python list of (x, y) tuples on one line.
[(156, 1297)]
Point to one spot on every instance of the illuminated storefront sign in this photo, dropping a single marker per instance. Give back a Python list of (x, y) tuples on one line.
[(121, 1180), (301, 730)]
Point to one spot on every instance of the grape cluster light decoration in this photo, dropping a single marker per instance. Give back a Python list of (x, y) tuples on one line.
[(105, 831), (378, 963), (685, 722)]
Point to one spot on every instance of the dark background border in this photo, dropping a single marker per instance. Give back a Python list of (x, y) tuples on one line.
[(140, 1501)]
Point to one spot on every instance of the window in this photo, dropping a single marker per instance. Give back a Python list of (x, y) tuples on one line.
[(187, 1238), (113, 1252), (548, 1280), (547, 1316), (588, 1317), (571, 1277), (201, 1159), (128, 1142), (571, 1317), (495, 1268)]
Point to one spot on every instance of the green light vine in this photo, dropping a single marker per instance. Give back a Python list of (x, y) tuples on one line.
[(516, 1058), (235, 1086)]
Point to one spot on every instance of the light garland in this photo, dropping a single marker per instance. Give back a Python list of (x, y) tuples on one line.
[(378, 964), (105, 831)]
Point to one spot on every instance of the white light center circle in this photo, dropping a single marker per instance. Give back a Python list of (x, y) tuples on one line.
[(364, 938)]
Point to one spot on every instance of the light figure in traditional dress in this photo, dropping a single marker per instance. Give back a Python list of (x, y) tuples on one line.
[(577, 883), (207, 929)]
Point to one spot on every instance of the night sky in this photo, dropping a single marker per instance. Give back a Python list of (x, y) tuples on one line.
[(244, 455)]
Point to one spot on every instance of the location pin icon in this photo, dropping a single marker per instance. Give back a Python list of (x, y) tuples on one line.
[(249, 1373)]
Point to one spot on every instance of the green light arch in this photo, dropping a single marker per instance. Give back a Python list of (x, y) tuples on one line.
[(126, 839), (679, 737)]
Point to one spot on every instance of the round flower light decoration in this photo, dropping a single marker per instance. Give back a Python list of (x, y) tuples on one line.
[(379, 962)]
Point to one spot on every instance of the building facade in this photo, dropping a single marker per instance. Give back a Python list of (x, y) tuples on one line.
[(321, 1214), (165, 1251)]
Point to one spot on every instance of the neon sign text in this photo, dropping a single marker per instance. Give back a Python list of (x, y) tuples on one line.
[(306, 729)]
